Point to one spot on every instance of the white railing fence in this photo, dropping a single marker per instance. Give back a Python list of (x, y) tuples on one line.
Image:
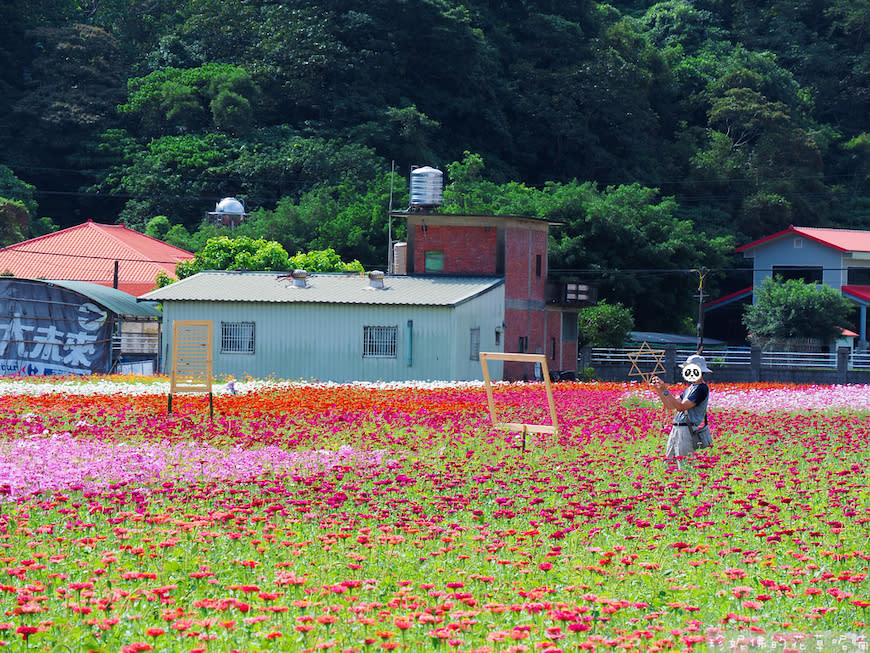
[(735, 357)]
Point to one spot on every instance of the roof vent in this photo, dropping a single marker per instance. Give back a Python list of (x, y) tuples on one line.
[(376, 280), (299, 277)]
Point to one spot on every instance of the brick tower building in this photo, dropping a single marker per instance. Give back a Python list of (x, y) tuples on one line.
[(540, 312)]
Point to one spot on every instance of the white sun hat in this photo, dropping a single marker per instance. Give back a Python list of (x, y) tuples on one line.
[(696, 359)]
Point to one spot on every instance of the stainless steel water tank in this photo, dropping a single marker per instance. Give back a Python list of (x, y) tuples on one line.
[(426, 187)]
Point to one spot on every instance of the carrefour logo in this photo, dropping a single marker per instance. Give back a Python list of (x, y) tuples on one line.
[(91, 317)]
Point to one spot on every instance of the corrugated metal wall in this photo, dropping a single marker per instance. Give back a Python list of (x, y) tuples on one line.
[(325, 341)]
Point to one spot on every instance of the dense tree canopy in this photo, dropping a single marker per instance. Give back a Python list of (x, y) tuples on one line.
[(242, 253), (676, 129)]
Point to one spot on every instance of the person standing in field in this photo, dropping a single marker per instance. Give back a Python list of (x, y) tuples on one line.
[(691, 410)]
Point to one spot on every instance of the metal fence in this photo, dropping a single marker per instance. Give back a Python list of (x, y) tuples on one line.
[(737, 357)]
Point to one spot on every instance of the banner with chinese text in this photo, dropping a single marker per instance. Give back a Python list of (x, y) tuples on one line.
[(45, 329)]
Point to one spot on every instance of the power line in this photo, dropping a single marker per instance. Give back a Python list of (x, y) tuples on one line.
[(12, 248)]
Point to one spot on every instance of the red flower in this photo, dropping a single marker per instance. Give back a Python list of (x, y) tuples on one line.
[(26, 631), (136, 647)]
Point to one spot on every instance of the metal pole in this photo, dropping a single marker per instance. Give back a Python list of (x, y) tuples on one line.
[(390, 223), (702, 273)]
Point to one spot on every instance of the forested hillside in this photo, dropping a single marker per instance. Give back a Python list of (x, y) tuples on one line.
[(661, 134)]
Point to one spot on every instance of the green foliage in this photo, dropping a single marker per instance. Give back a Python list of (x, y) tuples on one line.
[(605, 325), (468, 192), (13, 221), (789, 309), (324, 260), (181, 99), (157, 227), (13, 188), (627, 228), (163, 280), (349, 217), (241, 253), (741, 117), (42, 226), (173, 175)]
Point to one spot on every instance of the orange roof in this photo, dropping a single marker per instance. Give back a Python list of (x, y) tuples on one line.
[(845, 240), (88, 252)]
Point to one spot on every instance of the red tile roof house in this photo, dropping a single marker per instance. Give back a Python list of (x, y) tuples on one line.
[(89, 251), (839, 258)]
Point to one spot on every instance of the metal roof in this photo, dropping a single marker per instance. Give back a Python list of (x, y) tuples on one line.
[(860, 293), (117, 301), (87, 252), (844, 240), (670, 338), (275, 287)]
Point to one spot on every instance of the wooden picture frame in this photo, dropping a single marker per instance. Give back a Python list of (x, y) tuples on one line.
[(553, 428)]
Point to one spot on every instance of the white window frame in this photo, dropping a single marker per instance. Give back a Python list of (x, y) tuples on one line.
[(380, 341), (238, 338)]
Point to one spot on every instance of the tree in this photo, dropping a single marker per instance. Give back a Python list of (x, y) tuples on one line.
[(350, 217), (605, 325), (11, 187), (174, 99), (13, 222), (157, 227), (632, 242), (242, 253), (324, 260), (791, 309)]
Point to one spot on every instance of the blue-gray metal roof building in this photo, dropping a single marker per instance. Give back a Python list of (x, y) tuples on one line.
[(339, 327)]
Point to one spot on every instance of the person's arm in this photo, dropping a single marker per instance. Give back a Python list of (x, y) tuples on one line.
[(670, 401)]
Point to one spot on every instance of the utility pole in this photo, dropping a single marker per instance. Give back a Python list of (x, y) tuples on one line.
[(390, 262), (702, 275)]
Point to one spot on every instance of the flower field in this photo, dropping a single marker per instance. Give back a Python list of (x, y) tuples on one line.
[(308, 517)]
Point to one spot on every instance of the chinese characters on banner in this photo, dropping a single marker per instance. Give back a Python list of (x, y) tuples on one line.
[(45, 329)]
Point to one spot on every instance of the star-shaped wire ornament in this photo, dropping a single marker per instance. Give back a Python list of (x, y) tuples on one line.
[(646, 355)]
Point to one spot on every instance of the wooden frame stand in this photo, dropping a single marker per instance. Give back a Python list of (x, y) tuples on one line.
[(519, 426), (191, 360)]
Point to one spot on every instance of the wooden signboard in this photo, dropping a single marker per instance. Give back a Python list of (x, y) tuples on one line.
[(519, 426), (192, 359)]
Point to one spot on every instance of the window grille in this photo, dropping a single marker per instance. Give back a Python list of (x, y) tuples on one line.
[(379, 341), (237, 337), (475, 344)]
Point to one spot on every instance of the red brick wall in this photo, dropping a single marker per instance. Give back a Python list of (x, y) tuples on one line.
[(566, 350), (467, 249), (525, 307), (508, 247), (522, 246)]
